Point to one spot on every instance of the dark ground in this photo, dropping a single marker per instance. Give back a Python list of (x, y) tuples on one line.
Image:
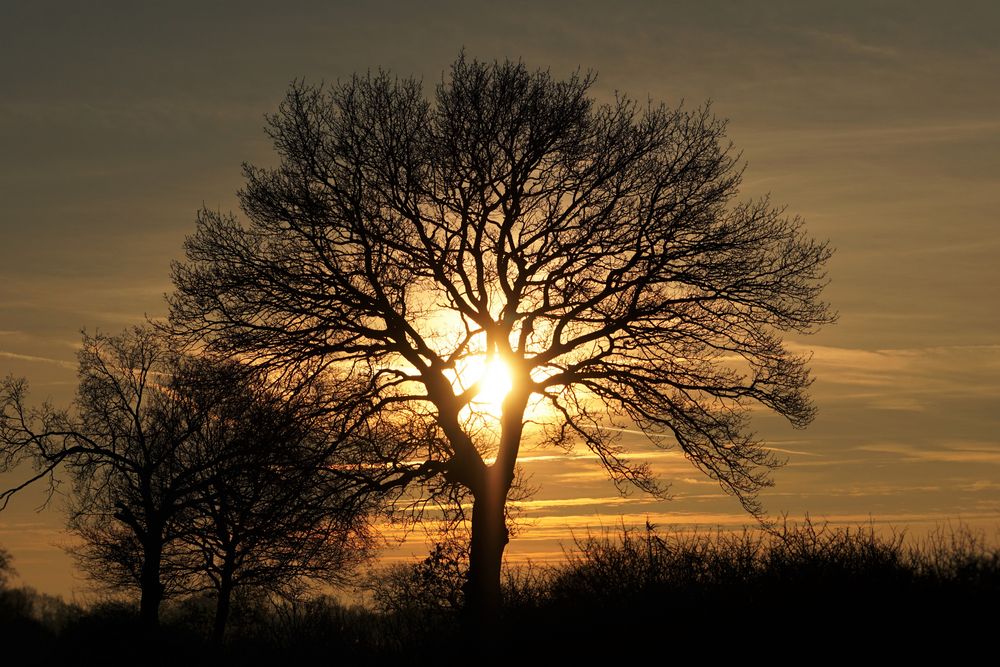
[(806, 594)]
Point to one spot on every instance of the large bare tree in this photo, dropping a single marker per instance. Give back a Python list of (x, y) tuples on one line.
[(598, 252)]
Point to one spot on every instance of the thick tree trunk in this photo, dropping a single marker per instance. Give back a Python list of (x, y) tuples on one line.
[(151, 590), (222, 605), (483, 596), (489, 538)]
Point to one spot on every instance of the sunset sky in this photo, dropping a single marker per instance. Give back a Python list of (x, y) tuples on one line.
[(877, 122)]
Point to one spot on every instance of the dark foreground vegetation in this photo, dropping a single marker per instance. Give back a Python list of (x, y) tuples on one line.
[(799, 594)]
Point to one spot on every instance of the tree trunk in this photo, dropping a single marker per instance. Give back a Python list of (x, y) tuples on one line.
[(223, 604), (489, 527), (489, 538), (149, 582)]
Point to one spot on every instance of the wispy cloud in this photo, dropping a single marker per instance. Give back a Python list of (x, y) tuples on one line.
[(31, 536), (44, 360), (797, 452), (906, 379), (959, 452), (852, 45), (868, 138), (583, 502)]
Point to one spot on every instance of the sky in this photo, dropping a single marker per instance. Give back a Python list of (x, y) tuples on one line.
[(876, 122)]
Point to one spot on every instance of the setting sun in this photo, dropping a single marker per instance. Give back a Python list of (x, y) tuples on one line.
[(494, 380)]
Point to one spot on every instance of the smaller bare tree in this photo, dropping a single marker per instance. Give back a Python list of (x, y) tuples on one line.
[(186, 471), (432, 585), (269, 516), (119, 444)]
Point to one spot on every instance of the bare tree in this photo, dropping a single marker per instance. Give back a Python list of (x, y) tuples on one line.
[(119, 444), (269, 516), (430, 586), (597, 252), (184, 469)]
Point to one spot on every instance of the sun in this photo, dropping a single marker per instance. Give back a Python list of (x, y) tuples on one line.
[(494, 380)]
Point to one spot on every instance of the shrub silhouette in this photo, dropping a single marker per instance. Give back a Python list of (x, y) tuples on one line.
[(801, 586)]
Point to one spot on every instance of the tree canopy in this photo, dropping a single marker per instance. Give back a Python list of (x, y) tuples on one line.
[(597, 251)]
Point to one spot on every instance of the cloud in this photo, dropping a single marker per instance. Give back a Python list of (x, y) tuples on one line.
[(872, 137), (956, 452), (910, 379), (31, 536), (792, 451), (852, 45), (528, 505), (979, 485), (45, 360)]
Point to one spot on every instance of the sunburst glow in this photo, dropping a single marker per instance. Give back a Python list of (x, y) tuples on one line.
[(494, 383), (494, 379)]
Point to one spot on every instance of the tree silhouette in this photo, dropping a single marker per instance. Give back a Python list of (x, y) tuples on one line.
[(269, 516), (7, 571), (597, 251), (186, 470), (432, 585), (119, 444)]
